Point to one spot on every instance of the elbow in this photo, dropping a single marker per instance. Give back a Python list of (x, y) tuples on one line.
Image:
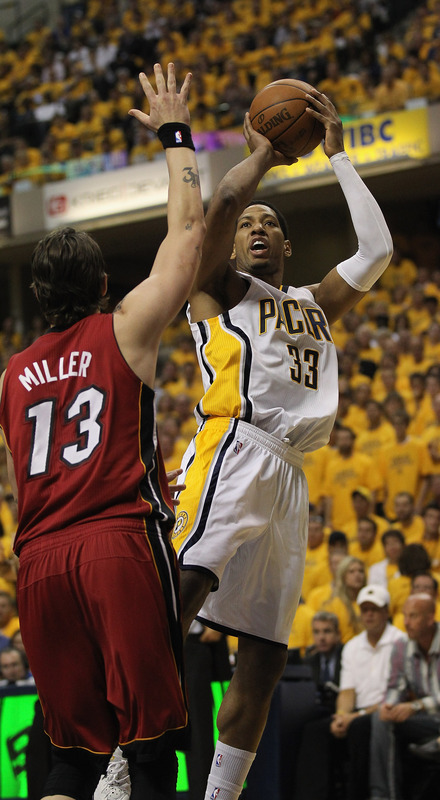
[(227, 199), (383, 249), (387, 243)]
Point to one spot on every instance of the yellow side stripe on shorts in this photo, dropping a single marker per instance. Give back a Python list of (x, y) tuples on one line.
[(212, 441)]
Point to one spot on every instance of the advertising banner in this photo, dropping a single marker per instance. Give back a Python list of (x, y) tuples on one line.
[(386, 137), (115, 192)]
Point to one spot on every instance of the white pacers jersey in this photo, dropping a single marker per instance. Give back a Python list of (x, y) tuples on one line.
[(270, 361)]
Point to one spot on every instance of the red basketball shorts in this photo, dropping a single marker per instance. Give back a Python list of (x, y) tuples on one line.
[(100, 619)]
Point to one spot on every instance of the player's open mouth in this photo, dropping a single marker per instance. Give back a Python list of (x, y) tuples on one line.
[(259, 247)]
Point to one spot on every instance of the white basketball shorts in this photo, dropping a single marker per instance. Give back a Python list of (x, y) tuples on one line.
[(243, 517)]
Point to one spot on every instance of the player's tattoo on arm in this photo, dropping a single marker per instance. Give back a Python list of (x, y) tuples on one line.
[(191, 177)]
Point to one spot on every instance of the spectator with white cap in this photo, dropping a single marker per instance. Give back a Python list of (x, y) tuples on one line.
[(362, 684), (364, 674)]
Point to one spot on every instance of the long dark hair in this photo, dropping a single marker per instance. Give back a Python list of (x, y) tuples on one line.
[(68, 271)]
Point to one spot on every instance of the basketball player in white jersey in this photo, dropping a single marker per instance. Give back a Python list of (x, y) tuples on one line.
[(269, 369)]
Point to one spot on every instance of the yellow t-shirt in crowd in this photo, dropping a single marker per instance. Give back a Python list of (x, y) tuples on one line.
[(343, 475), (400, 466)]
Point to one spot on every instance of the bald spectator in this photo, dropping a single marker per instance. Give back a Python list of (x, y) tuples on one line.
[(410, 712), (421, 583)]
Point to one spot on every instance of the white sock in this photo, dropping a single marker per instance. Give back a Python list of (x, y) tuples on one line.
[(229, 769)]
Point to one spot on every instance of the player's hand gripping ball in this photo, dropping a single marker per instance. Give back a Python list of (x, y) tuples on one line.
[(279, 112)]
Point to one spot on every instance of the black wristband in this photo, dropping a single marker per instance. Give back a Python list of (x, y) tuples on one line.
[(175, 134)]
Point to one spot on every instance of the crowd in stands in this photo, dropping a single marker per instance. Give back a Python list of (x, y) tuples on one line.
[(65, 91)]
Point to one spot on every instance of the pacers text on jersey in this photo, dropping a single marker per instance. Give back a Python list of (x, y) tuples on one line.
[(296, 319), (74, 365)]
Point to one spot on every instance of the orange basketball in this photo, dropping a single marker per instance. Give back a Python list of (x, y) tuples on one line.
[(279, 112)]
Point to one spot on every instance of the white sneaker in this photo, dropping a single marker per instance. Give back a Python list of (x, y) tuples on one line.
[(115, 784)]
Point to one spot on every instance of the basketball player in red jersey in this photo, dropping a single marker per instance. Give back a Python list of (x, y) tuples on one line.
[(98, 589)]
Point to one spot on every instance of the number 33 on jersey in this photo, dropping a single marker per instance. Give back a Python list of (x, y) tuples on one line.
[(271, 361)]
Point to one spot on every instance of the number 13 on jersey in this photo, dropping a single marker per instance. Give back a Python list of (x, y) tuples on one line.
[(85, 410)]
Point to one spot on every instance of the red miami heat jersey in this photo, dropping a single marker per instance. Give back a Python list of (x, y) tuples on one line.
[(62, 403)]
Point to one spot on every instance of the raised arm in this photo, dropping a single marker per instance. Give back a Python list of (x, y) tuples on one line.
[(146, 311), (344, 285)]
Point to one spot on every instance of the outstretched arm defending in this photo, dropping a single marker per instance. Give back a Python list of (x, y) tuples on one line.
[(146, 310)]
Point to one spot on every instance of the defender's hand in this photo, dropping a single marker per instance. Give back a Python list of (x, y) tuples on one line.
[(167, 105), (175, 488)]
